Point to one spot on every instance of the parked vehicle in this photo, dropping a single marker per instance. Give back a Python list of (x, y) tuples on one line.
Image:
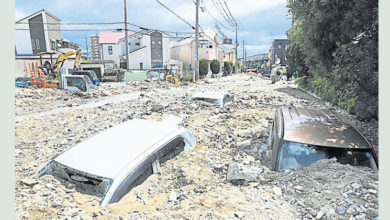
[(77, 83), (22, 81), (300, 137), (111, 163), (219, 98), (90, 73), (265, 72)]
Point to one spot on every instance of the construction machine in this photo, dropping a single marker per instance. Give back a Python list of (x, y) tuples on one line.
[(172, 76), (52, 71)]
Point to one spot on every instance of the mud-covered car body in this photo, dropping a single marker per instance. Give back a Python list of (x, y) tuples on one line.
[(219, 98), (300, 137), (111, 163)]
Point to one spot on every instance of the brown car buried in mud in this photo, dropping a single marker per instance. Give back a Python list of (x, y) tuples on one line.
[(300, 137)]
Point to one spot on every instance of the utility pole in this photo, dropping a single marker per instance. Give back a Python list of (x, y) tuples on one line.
[(197, 42), (127, 40), (243, 53), (236, 71), (86, 44)]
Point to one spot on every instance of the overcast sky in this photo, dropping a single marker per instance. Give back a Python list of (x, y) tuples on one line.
[(260, 21)]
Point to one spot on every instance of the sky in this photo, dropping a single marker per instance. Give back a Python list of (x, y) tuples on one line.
[(259, 21)]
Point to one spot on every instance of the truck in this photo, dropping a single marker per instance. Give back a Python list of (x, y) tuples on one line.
[(90, 73), (77, 83)]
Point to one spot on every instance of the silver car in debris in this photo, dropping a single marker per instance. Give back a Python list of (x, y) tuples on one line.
[(111, 163), (219, 98)]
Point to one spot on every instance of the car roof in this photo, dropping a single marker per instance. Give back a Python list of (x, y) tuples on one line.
[(210, 95), (319, 127), (109, 152)]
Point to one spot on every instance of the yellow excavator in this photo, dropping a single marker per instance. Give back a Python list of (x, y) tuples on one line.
[(52, 71), (172, 77)]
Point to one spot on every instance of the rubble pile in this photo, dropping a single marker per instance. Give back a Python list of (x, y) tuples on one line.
[(226, 175)]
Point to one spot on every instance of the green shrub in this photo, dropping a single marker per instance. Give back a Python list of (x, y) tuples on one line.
[(228, 66), (187, 77), (215, 66), (203, 67)]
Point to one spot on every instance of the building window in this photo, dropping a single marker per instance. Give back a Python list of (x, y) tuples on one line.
[(33, 43), (280, 45), (53, 45), (37, 43), (110, 50)]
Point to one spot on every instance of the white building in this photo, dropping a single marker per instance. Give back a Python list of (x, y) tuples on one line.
[(147, 49), (109, 48), (94, 47)]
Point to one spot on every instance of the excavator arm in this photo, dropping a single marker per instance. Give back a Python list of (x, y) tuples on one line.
[(77, 61), (61, 59)]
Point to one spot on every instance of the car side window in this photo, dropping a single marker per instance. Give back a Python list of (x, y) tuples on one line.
[(145, 169), (170, 150)]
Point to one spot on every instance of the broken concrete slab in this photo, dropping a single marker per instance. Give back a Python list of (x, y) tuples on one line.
[(238, 171)]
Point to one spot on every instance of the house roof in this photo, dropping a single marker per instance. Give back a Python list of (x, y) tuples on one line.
[(39, 12), (110, 37)]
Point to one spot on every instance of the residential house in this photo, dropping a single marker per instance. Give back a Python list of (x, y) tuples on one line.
[(277, 52), (147, 49), (109, 47), (209, 49), (40, 32)]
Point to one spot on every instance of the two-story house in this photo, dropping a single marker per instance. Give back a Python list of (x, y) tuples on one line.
[(40, 32), (148, 49)]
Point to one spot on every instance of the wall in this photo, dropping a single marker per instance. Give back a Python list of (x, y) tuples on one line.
[(53, 34), (37, 33), (140, 56), (280, 52), (115, 53), (24, 65)]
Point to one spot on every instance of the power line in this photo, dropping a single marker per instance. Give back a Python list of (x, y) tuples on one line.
[(175, 14), (108, 23), (230, 12), (73, 23), (223, 8), (217, 20), (135, 32), (220, 11)]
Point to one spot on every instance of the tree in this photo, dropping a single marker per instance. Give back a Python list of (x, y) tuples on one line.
[(334, 44), (228, 66), (215, 66), (203, 67)]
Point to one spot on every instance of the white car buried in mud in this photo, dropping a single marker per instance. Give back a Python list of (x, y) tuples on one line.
[(111, 163), (219, 98)]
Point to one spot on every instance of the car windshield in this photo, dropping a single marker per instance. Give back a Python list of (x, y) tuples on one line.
[(84, 182), (94, 74), (88, 81), (295, 155)]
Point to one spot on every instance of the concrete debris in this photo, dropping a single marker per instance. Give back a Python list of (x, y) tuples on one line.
[(225, 176), (237, 172)]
